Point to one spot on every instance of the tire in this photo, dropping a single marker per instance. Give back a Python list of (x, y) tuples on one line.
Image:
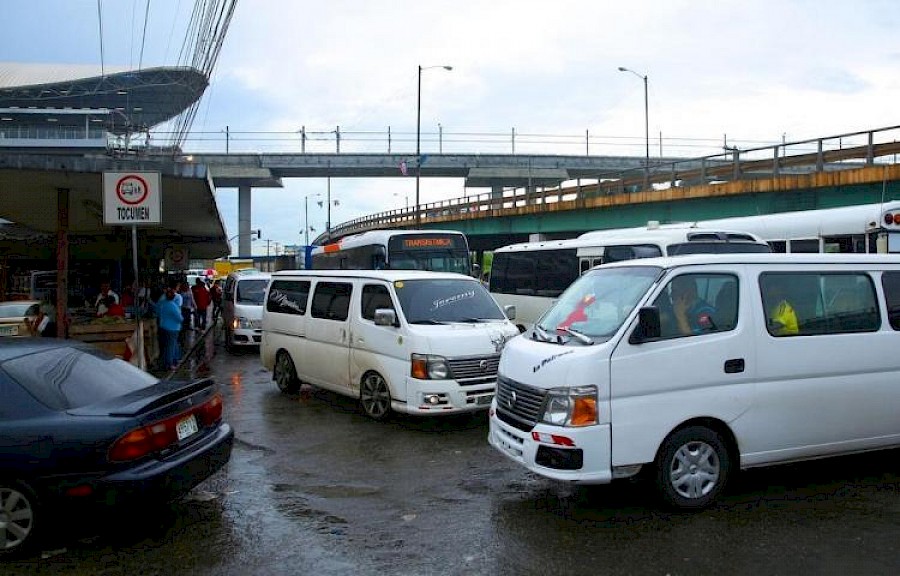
[(374, 396), (285, 374), (693, 467), (19, 519)]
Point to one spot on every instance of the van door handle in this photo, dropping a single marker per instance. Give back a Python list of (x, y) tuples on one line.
[(734, 365)]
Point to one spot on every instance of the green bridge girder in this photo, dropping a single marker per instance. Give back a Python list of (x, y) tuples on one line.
[(491, 230)]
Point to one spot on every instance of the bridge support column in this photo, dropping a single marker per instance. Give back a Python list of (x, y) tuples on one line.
[(244, 250)]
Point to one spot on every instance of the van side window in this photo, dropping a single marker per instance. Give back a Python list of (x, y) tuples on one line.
[(890, 281), (693, 304), (288, 297), (797, 304), (375, 296), (331, 300)]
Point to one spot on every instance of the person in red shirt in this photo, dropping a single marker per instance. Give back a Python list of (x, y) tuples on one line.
[(201, 300), (113, 308)]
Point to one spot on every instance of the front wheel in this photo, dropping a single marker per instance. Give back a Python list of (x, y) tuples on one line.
[(18, 511), (285, 374), (374, 396), (692, 468)]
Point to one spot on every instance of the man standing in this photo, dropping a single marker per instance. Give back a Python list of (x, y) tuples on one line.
[(169, 321), (215, 294), (201, 301)]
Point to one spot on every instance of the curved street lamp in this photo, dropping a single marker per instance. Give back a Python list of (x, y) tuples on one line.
[(419, 133), (646, 126)]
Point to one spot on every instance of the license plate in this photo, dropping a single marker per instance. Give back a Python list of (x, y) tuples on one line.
[(186, 427), (9, 330), (482, 400)]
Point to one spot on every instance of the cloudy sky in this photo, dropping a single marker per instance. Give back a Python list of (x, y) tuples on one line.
[(748, 72)]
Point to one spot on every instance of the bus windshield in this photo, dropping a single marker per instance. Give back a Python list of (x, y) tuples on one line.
[(432, 252), (598, 303)]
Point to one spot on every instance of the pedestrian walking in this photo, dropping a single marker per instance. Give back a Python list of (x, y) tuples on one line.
[(201, 301), (187, 306)]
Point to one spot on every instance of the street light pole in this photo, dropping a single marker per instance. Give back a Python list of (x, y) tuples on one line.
[(646, 126), (419, 135)]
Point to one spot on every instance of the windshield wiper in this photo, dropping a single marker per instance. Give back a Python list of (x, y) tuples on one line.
[(577, 335), (428, 321), (476, 320), (542, 334)]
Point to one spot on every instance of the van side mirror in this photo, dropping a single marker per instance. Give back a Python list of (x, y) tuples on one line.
[(385, 317), (510, 311), (648, 327)]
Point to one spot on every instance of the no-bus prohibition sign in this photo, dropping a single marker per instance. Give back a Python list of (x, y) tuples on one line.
[(131, 198)]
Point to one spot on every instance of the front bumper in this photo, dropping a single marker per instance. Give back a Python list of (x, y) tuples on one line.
[(592, 450), (451, 397)]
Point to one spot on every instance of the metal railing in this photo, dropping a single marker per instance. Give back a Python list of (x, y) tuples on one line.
[(842, 151)]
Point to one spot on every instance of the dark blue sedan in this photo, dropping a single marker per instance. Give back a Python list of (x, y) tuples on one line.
[(82, 430)]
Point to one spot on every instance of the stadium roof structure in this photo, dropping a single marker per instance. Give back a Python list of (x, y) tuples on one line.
[(124, 100)]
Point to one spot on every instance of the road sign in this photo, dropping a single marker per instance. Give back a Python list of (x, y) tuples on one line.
[(177, 258), (131, 198)]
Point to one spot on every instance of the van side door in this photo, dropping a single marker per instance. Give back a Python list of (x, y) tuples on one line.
[(328, 335), (701, 366), (381, 349)]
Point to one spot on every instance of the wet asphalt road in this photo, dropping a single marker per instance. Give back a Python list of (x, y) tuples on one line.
[(314, 487)]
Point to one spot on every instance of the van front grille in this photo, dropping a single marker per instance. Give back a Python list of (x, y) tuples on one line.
[(474, 369), (518, 404)]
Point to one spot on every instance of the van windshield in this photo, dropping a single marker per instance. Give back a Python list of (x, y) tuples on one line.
[(251, 291), (598, 303), (445, 301)]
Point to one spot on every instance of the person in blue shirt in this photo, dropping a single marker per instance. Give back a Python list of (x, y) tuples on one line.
[(693, 315), (169, 320)]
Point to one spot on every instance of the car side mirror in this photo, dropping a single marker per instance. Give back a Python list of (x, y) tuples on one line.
[(385, 317), (510, 311), (648, 327)]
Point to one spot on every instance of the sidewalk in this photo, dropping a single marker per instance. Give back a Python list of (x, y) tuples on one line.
[(197, 349)]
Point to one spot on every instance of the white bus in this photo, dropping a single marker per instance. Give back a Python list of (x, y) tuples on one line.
[(432, 250), (863, 229), (531, 275)]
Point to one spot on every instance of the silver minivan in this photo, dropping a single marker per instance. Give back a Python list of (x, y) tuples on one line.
[(242, 304)]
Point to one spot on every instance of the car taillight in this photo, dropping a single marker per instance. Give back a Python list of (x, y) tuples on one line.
[(163, 434), (211, 411)]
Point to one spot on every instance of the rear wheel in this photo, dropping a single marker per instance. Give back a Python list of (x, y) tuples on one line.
[(18, 512), (692, 468), (286, 374), (374, 396)]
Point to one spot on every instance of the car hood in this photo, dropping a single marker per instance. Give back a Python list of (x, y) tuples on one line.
[(466, 339)]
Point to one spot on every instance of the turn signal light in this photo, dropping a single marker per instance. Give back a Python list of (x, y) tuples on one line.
[(584, 412)]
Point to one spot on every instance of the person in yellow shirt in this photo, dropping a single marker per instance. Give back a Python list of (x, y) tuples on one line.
[(782, 318)]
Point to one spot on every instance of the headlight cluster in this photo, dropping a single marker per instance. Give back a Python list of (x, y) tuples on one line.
[(571, 406), (429, 367), (241, 322)]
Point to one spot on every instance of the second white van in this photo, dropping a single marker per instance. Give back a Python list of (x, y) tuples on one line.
[(404, 341), (242, 305)]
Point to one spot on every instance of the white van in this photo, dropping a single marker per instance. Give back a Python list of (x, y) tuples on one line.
[(408, 341), (697, 366), (242, 305)]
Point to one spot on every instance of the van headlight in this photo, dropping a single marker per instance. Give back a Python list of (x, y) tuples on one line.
[(571, 406), (429, 367), (241, 322)]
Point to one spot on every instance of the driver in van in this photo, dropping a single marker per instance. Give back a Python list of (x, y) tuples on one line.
[(693, 315)]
